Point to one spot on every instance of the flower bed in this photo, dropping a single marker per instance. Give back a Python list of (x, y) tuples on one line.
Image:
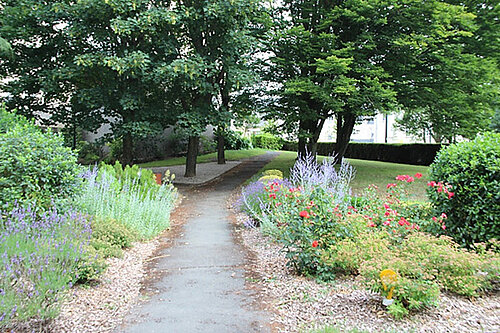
[(325, 231)]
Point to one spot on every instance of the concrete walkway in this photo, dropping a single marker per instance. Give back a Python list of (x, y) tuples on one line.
[(201, 284)]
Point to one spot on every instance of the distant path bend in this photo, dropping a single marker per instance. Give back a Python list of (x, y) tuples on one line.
[(201, 283)]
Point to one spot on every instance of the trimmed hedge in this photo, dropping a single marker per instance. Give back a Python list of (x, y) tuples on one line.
[(414, 153), (267, 141)]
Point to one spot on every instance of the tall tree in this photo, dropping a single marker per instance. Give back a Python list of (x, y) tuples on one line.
[(206, 69), (326, 55)]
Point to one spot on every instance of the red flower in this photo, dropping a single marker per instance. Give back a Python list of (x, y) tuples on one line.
[(272, 196), (450, 194), (443, 226), (444, 216), (431, 183), (391, 185), (314, 244), (304, 214), (418, 175), (403, 221)]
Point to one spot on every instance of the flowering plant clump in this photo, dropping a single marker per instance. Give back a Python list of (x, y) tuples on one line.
[(305, 212), (39, 256), (395, 213), (135, 201)]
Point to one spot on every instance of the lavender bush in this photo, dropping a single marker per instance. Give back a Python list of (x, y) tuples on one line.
[(39, 256), (146, 211)]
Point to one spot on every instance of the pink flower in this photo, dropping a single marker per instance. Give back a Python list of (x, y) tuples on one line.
[(418, 175), (372, 225), (431, 183), (386, 206), (443, 226), (314, 244), (410, 179), (391, 185), (434, 219), (450, 194), (272, 196), (444, 216), (387, 223)]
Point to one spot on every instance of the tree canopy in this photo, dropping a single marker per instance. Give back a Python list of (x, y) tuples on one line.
[(142, 65)]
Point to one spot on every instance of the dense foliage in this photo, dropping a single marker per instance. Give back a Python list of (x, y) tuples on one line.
[(35, 167), (465, 184), (45, 251)]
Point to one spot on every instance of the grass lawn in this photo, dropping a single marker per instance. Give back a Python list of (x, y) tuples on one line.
[(367, 172), (231, 155)]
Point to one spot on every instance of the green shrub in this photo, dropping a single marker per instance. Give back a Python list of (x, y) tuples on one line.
[(465, 184), (35, 167), (267, 141), (88, 153), (234, 140), (89, 269), (206, 145), (109, 237), (143, 180)]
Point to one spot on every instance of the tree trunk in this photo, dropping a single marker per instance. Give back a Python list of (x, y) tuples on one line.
[(301, 149), (128, 149), (345, 125), (221, 158), (192, 155), (313, 141)]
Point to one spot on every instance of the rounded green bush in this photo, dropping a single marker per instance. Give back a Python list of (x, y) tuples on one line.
[(35, 167), (471, 170)]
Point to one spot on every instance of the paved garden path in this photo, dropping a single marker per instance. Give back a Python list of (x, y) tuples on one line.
[(200, 285)]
